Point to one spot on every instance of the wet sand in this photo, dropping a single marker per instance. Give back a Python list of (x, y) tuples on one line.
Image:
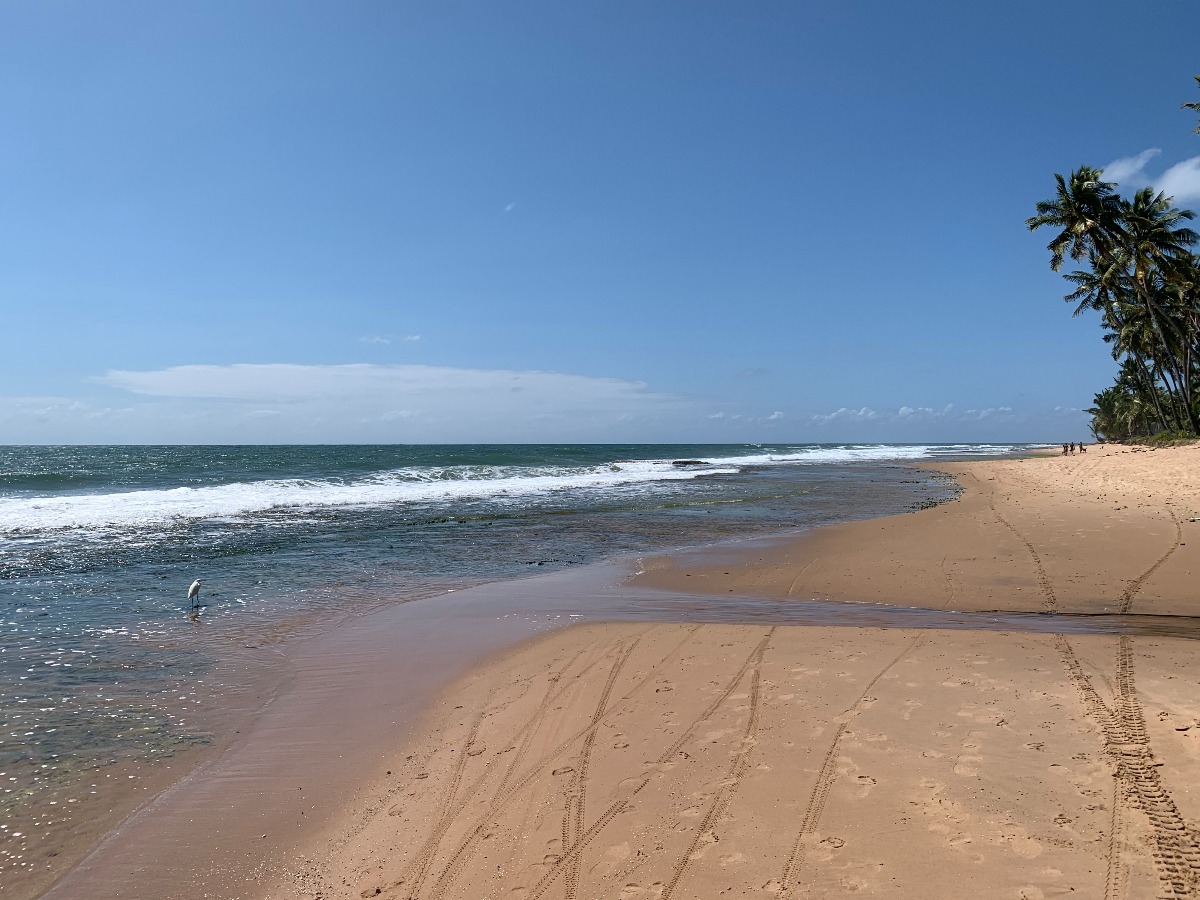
[(685, 755)]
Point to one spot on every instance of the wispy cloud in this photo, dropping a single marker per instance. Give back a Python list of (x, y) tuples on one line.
[(387, 338), (1180, 181), (264, 402), (845, 414), (945, 417), (509, 207), (727, 419), (1129, 167), (292, 403)]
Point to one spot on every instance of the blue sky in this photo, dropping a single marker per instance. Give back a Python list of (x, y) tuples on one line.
[(558, 221)]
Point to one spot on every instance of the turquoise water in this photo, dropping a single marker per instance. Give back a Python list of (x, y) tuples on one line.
[(101, 663)]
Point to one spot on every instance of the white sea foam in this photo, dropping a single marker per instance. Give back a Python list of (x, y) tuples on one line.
[(147, 508)]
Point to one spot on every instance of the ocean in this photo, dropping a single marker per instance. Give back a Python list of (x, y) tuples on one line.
[(105, 670)]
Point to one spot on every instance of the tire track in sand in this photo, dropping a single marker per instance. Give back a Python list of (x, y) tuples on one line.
[(461, 856), (1050, 600), (730, 784), (1136, 585), (1116, 878), (415, 872), (576, 805), (827, 776), (1137, 782), (527, 731), (466, 848), (1176, 844), (754, 660)]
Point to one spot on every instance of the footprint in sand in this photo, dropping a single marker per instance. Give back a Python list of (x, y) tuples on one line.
[(967, 763), (1022, 844), (633, 889), (966, 766)]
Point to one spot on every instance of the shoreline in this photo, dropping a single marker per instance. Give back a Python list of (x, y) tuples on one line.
[(675, 760), (181, 675), (972, 554), (358, 844)]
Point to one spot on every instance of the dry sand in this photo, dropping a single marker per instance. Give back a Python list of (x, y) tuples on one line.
[(686, 761)]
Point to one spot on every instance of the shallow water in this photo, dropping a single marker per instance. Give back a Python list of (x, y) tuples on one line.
[(602, 593), (758, 611)]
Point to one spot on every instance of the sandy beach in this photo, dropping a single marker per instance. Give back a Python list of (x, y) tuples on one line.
[(676, 760), (982, 755)]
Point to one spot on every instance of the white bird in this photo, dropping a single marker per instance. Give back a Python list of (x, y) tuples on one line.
[(194, 593)]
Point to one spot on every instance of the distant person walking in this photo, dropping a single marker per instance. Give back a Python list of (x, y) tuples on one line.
[(1082, 447), (1064, 449)]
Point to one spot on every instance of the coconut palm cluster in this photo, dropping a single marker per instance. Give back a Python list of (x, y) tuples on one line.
[(1143, 279)]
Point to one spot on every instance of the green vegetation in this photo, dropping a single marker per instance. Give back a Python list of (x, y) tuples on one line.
[(1194, 106), (1143, 279)]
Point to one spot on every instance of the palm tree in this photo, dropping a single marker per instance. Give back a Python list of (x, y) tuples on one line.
[(1136, 249), (1194, 106), (1133, 347), (1085, 209), (1153, 246), (1098, 287), (1144, 280)]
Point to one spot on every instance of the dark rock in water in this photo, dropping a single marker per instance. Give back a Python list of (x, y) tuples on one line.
[(688, 462)]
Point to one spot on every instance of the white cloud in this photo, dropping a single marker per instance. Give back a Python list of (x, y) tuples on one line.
[(362, 381), (362, 402), (1130, 168), (847, 415), (387, 338), (1181, 181), (911, 414), (290, 403)]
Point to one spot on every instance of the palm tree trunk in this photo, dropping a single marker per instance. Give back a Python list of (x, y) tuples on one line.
[(1149, 387), (1175, 382)]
